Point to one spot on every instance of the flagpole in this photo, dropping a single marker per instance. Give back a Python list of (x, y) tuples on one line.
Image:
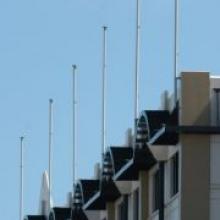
[(21, 176), (137, 54), (50, 145), (103, 147), (176, 52), (74, 85)]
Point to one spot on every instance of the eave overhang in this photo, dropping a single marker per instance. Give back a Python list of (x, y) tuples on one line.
[(88, 189), (108, 193), (169, 135), (96, 202), (142, 160), (120, 156)]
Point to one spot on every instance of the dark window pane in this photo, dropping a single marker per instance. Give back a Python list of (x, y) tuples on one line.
[(175, 174), (125, 209), (156, 190), (136, 205)]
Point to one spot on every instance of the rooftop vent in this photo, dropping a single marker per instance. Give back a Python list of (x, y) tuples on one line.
[(128, 138), (97, 172), (165, 100), (69, 199)]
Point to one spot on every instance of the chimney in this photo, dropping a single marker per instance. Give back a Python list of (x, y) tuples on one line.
[(69, 199), (128, 138), (97, 171), (165, 100)]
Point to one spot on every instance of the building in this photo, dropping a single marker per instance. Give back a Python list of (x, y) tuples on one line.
[(169, 170)]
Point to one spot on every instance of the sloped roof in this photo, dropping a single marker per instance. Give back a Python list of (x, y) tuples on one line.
[(60, 213), (120, 156), (89, 188), (163, 135), (142, 160), (155, 119)]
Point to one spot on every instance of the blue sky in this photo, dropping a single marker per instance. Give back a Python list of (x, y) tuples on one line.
[(39, 42)]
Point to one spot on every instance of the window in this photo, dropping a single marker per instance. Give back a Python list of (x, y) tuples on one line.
[(156, 190), (136, 205), (123, 209), (174, 175)]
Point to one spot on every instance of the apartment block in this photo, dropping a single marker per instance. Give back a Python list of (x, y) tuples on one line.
[(169, 169)]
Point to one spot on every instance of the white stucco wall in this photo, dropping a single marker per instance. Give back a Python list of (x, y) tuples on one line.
[(214, 156), (93, 215), (215, 178), (172, 205), (172, 209)]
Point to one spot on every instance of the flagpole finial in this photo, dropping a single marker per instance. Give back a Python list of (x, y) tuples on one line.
[(74, 66)]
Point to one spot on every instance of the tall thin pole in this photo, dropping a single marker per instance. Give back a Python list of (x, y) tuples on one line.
[(176, 52), (74, 126), (50, 144), (104, 93), (21, 176), (137, 54)]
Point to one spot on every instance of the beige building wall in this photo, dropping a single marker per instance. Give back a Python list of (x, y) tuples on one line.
[(110, 209), (195, 149), (129, 188), (143, 195)]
